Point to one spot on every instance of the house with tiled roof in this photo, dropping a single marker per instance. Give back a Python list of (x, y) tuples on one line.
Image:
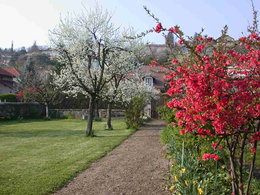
[(154, 77), (8, 80)]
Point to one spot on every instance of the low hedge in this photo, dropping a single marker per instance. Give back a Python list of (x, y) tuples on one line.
[(18, 110), (8, 98)]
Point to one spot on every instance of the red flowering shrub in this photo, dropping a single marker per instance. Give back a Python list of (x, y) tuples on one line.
[(25, 94), (215, 88)]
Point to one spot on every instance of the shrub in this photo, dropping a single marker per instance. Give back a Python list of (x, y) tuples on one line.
[(8, 98), (68, 116), (97, 119), (133, 114), (214, 86), (166, 113)]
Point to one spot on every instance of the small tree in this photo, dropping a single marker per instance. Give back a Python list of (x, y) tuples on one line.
[(37, 86), (123, 64)]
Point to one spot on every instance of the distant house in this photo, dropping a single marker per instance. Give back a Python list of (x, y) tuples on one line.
[(154, 77), (8, 80)]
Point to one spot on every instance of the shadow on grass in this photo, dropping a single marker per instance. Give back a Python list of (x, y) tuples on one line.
[(51, 133), (43, 133), (13, 122)]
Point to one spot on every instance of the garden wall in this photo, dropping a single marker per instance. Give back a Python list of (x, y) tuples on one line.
[(14, 110), (78, 113)]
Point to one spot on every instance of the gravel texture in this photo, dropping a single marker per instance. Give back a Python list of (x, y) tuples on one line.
[(137, 166)]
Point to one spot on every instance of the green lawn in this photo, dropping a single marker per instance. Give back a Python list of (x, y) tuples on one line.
[(39, 157)]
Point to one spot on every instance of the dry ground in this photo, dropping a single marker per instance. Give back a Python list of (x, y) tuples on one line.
[(137, 166)]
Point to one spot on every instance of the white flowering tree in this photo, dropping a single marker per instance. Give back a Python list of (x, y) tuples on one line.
[(84, 44), (123, 64)]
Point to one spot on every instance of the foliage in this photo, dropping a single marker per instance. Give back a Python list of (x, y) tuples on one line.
[(133, 113), (97, 119), (39, 157), (37, 86), (8, 98), (166, 113), (68, 116), (214, 87), (15, 110), (189, 175)]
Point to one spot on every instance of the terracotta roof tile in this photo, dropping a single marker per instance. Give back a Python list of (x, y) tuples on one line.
[(13, 71), (5, 73)]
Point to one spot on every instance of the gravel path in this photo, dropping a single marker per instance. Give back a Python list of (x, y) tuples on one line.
[(137, 166)]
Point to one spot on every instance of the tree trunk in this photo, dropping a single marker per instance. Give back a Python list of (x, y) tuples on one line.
[(46, 110), (90, 116), (97, 110), (109, 116)]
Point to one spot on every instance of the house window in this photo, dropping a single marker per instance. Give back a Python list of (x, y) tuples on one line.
[(148, 81)]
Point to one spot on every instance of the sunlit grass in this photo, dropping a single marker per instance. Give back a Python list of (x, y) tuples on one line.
[(38, 157)]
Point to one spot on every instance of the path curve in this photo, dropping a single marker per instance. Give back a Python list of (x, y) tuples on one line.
[(137, 166)]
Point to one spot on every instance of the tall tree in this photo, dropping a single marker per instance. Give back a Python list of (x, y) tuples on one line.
[(83, 44)]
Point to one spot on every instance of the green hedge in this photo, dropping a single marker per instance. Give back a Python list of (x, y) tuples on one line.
[(8, 98), (19, 110)]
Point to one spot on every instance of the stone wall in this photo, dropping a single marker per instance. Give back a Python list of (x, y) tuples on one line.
[(79, 113)]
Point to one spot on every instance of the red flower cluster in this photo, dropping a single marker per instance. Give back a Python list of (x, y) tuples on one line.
[(252, 149), (175, 61), (180, 41), (200, 38), (158, 28), (199, 48), (173, 30), (209, 156), (220, 91), (20, 94)]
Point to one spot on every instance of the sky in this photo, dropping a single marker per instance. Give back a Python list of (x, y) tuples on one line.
[(26, 21)]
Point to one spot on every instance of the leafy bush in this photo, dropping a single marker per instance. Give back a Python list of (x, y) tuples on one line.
[(133, 114), (8, 98), (68, 116), (166, 113), (97, 119)]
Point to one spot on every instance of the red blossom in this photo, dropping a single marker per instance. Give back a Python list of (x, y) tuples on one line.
[(182, 131), (175, 61), (158, 28), (242, 39), (173, 30), (252, 149), (214, 145), (209, 39), (199, 48), (180, 41), (253, 36), (209, 156), (200, 38), (154, 62), (255, 137)]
